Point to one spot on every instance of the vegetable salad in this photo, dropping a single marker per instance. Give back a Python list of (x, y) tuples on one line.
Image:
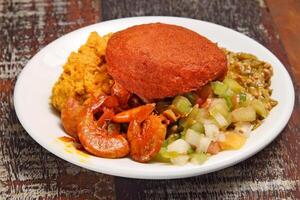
[(218, 117)]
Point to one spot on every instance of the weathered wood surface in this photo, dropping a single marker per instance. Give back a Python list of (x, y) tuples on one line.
[(27, 171), (287, 19)]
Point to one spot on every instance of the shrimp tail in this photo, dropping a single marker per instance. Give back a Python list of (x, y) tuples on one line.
[(96, 139), (146, 138)]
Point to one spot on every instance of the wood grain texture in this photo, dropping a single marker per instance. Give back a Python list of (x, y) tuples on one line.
[(27, 171), (287, 21), (271, 174)]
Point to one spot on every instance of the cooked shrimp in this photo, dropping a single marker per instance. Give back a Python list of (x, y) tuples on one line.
[(96, 139), (146, 132), (71, 115), (146, 138), (139, 113), (107, 115), (121, 93)]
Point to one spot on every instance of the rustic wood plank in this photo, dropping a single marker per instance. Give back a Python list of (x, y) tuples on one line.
[(27, 171), (271, 174), (287, 22)]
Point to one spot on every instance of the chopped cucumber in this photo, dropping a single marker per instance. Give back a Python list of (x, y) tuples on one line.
[(219, 105), (198, 126), (190, 119), (170, 154), (198, 158), (259, 107), (182, 105), (220, 112), (193, 114), (222, 122), (244, 114), (160, 156), (228, 100), (202, 115), (186, 122), (222, 90), (219, 88), (233, 85)]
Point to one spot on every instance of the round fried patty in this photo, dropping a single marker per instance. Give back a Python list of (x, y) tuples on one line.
[(160, 60)]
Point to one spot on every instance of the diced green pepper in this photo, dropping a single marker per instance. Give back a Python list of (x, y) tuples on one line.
[(198, 158), (164, 156), (182, 105), (198, 127), (219, 88), (259, 107), (186, 122), (169, 154), (218, 106), (202, 115), (233, 85), (228, 102), (222, 90), (190, 119), (159, 157), (193, 114)]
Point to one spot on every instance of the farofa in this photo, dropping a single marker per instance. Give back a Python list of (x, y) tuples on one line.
[(84, 74)]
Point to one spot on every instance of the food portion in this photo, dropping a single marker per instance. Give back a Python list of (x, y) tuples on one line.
[(254, 75), (157, 60), (161, 93), (85, 74)]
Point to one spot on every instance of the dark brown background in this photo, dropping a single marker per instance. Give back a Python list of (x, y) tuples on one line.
[(27, 171)]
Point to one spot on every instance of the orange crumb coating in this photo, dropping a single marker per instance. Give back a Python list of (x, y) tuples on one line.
[(84, 74)]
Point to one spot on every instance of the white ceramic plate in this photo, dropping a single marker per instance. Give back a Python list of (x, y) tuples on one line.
[(33, 88)]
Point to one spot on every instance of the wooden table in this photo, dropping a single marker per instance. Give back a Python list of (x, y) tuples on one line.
[(27, 171)]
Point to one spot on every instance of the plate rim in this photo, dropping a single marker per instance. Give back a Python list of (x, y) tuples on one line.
[(182, 173)]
